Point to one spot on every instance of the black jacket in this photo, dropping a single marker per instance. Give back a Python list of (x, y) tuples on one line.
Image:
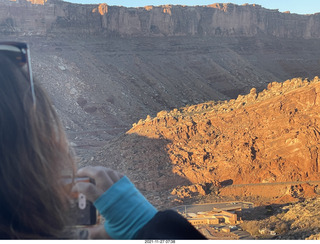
[(168, 225)]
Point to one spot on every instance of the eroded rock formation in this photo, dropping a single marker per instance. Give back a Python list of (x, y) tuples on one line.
[(255, 138), (51, 16), (269, 137)]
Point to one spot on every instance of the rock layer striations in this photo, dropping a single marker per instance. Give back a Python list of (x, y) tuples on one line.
[(51, 16)]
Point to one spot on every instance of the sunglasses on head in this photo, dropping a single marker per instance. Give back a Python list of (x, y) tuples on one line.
[(19, 53)]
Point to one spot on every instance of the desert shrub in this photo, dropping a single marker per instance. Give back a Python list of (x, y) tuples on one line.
[(281, 228), (252, 227)]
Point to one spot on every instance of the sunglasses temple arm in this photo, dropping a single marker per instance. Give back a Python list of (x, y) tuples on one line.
[(31, 77)]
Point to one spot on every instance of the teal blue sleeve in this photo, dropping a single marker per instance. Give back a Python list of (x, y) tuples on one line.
[(125, 209)]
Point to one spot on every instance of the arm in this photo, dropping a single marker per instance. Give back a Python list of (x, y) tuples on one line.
[(128, 214), (125, 209)]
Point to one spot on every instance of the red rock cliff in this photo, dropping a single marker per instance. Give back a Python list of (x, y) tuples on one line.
[(55, 16)]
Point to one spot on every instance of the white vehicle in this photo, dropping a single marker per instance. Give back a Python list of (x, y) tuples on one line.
[(233, 227)]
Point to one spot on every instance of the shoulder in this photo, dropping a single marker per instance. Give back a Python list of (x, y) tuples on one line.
[(168, 224)]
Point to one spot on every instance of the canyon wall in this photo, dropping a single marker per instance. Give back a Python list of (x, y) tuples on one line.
[(42, 17)]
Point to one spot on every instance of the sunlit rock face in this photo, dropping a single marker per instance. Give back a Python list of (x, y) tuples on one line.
[(42, 2), (50, 16), (260, 138)]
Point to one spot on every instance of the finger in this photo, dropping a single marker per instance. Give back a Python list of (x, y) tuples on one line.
[(104, 177), (93, 171), (114, 175), (102, 180), (91, 192), (88, 171), (97, 172)]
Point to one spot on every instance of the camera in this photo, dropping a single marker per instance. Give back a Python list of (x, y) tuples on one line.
[(82, 211)]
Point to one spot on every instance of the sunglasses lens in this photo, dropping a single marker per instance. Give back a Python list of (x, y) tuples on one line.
[(4, 47), (14, 53), (19, 54)]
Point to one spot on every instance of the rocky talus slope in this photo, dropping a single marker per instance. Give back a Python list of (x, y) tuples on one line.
[(297, 221), (205, 149)]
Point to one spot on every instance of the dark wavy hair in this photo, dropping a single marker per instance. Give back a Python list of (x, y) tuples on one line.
[(34, 155)]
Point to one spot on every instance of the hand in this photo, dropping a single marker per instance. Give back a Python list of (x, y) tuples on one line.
[(104, 179)]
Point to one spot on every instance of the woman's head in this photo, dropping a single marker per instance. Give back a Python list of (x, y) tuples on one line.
[(34, 153)]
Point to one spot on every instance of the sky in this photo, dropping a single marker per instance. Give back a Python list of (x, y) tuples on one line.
[(294, 6)]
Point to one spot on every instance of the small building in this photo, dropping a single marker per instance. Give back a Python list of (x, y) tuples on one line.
[(204, 220), (192, 215), (214, 217), (228, 217)]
